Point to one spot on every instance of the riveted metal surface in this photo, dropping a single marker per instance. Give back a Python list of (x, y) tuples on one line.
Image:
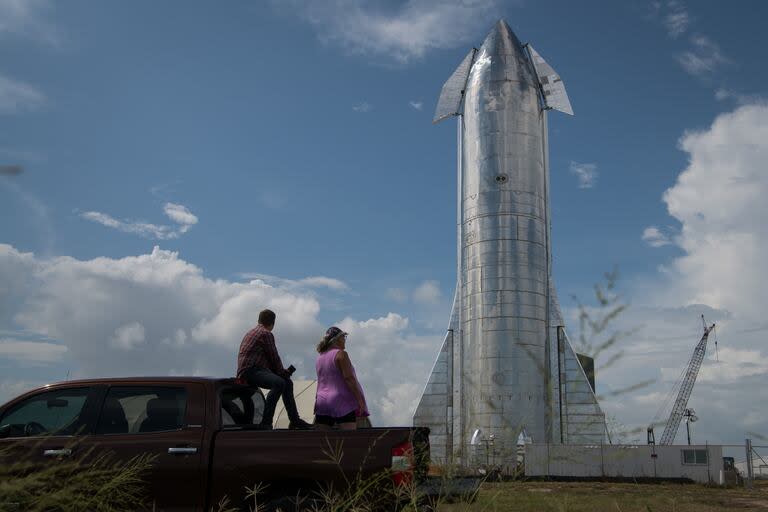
[(504, 241), (506, 364)]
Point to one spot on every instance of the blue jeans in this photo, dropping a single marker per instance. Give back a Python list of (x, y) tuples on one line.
[(277, 386)]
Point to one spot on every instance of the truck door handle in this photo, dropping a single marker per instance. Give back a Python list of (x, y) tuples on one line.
[(63, 452), (181, 451)]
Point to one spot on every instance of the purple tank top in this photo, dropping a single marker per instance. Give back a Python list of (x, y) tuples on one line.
[(333, 395)]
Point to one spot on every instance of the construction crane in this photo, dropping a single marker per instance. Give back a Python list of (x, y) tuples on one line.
[(688, 379)]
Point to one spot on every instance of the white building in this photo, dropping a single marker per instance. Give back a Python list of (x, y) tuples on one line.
[(700, 463)]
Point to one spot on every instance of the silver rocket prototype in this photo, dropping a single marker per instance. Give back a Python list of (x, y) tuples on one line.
[(506, 365)]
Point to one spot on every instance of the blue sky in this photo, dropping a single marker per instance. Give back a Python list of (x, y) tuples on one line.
[(294, 140)]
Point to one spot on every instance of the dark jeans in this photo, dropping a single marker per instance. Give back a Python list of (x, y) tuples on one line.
[(277, 386)]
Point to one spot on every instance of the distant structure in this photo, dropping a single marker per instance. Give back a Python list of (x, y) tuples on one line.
[(684, 387), (506, 366)]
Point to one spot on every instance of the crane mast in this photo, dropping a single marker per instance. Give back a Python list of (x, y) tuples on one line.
[(686, 387)]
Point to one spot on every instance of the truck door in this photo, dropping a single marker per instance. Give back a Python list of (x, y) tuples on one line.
[(48, 425), (165, 421)]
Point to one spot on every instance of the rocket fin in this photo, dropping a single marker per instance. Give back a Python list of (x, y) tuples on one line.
[(435, 409), (582, 421), (552, 86), (449, 103)]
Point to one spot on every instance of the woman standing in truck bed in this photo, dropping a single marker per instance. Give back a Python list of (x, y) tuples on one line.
[(340, 400)]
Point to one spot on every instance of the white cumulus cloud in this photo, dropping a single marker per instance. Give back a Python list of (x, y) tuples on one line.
[(330, 283), (158, 314), (362, 107), (740, 98), (719, 202), (403, 32), (428, 292), (35, 352), (399, 402), (181, 215), (732, 364), (654, 237), (391, 363), (416, 105), (676, 19), (128, 336), (178, 213), (703, 58), (585, 173)]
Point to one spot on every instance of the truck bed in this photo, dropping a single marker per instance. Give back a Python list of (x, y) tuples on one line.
[(306, 462)]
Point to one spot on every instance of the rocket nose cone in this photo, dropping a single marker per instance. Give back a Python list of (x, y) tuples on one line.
[(502, 41), (505, 58)]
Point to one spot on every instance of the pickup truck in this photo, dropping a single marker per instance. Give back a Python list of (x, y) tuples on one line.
[(205, 436)]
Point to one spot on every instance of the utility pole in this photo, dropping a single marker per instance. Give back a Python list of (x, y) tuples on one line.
[(749, 463)]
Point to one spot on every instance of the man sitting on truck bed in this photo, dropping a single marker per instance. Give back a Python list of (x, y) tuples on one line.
[(259, 364)]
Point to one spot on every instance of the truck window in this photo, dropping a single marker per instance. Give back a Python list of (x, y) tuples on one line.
[(141, 409), (241, 406), (56, 412)]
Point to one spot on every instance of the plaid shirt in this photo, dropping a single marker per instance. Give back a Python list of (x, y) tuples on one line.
[(258, 350)]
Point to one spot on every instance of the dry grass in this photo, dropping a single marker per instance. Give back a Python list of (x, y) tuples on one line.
[(529, 496), (355, 492), (99, 485)]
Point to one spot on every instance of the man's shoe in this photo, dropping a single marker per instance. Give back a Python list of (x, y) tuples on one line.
[(300, 425), (265, 426)]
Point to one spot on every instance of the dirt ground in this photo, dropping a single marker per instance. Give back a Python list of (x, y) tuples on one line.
[(617, 497)]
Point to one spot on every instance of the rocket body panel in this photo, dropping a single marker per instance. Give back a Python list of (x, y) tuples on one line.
[(506, 333), (505, 243)]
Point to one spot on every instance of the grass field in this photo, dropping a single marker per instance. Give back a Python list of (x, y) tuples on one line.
[(591, 496)]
